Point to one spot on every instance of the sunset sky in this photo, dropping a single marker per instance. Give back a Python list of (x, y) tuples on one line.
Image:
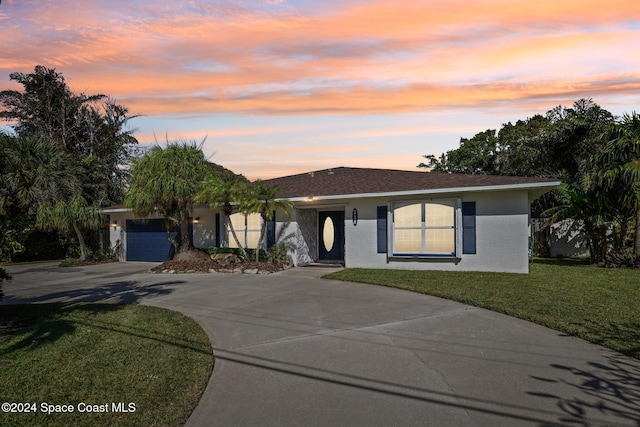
[(280, 87)]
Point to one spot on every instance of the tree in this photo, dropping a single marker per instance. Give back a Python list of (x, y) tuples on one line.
[(582, 206), (41, 181), (520, 151), (262, 200), (474, 156), (217, 191), (613, 175), (573, 136), (88, 127), (70, 215), (165, 182)]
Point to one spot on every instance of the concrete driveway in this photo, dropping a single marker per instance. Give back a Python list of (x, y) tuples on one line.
[(293, 349)]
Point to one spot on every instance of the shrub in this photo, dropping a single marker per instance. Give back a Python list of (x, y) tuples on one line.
[(278, 254)]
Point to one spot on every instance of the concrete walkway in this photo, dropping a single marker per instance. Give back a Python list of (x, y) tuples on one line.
[(292, 349)]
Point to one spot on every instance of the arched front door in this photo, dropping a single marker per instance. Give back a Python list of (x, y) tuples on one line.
[(331, 235)]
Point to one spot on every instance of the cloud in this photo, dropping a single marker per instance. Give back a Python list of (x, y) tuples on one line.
[(196, 61)]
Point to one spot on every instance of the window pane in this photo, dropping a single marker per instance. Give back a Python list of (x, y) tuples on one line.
[(237, 220), (253, 221), (440, 240), (252, 238), (438, 215), (407, 241), (328, 234), (408, 216)]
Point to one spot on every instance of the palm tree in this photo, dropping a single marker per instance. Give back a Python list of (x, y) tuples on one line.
[(262, 200), (581, 206), (615, 172), (220, 192), (70, 215), (42, 181), (165, 182)]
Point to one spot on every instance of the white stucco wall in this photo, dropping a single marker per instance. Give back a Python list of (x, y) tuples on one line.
[(502, 219), (501, 236), (204, 229), (117, 234)]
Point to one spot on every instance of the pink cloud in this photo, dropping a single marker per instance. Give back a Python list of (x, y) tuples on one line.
[(163, 58)]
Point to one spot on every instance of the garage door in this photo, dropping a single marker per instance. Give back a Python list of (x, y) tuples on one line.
[(147, 241)]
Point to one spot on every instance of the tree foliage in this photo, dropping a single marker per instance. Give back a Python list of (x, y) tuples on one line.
[(262, 199), (64, 159), (91, 128), (42, 182), (165, 182), (230, 195), (595, 154)]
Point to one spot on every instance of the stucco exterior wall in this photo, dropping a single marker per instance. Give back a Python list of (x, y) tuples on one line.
[(204, 228), (501, 236), (118, 234), (502, 231)]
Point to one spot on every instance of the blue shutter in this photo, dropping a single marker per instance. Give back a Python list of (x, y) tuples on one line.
[(382, 229), (271, 232), (468, 227), (218, 231)]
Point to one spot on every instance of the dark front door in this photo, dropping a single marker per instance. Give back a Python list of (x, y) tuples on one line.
[(331, 236)]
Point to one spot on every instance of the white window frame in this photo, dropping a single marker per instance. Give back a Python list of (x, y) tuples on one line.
[(456, 204), (243, 234)]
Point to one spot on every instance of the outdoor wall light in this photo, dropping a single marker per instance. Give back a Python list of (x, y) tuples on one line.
[(114, 224), (196, 220)]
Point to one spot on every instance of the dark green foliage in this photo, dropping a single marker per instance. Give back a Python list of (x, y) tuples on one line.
[(278, 254), (46, 245), (165, 181), (66, 160), (595, 155)]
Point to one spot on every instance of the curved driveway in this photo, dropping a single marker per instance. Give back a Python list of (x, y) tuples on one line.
[(293, 349)]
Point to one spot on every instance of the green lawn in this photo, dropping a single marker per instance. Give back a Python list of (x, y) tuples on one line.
[(154, 363), (597, 304)]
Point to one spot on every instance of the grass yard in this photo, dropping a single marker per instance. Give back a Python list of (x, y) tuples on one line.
[(106, 359), (597, 304)]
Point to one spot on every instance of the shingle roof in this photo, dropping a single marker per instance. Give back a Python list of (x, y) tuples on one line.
[(344, 181)]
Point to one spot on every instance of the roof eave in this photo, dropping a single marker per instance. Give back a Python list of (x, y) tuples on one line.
[(538, 188)]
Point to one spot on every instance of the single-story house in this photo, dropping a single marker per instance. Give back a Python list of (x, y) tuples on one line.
[(372, 218)]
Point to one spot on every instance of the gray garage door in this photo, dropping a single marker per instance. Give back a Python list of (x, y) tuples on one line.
[(147, 241)]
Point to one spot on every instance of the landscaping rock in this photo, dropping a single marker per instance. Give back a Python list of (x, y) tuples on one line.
[(225, 258), (251, 271)]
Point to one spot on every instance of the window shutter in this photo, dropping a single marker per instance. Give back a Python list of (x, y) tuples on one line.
[(271, 232), (382, 229), (468, 227), (218, 231)]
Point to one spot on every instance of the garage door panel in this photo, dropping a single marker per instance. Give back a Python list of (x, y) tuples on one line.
[(148, 241)]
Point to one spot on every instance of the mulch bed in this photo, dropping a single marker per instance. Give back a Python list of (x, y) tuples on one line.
[(79, 263), (207, 265)]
